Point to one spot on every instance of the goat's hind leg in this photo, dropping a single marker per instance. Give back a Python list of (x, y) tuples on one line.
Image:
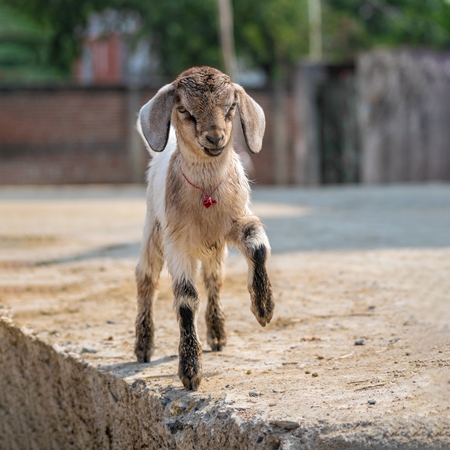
[(147, 279), (215, 317), (249, 236)]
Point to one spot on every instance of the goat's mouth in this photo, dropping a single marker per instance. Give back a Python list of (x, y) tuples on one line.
[(213, 151)]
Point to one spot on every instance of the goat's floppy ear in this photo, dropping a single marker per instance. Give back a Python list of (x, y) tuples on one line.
[(154, 118), (252, 119)]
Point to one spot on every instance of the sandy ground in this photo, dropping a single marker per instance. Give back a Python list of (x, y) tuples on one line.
[(361, 276)]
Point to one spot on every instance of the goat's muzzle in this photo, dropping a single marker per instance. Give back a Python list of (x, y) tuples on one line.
[(213, 151)]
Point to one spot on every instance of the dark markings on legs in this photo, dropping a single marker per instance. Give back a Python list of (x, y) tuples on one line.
[(261, 283), (186, 320), (248, 231), (215, 321), (190, 363), (214, 316), (185, 288), (144, 321)]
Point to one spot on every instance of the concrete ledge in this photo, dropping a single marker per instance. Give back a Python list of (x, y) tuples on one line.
[(350, 266), (49, 400)]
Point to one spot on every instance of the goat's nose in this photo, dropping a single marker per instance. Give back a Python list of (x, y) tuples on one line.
[(214, 139)]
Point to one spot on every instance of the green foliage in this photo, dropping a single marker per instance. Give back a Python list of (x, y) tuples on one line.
[(24, 48), (59, 19), (416, 23), (269, 34), (183, 32)]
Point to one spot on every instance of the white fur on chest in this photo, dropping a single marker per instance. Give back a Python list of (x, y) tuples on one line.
[(157, 183)]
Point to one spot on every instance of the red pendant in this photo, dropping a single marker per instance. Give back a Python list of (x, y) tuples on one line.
[(208, 202)]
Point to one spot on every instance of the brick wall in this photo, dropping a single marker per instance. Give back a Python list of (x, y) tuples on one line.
[(82, 135)]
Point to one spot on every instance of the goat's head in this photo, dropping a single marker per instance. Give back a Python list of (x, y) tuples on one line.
[(201, 104)]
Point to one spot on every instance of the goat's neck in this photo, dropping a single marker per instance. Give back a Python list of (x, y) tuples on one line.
[(199, 168)]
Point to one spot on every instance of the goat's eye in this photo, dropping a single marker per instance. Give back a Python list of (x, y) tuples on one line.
[(186, 114), (231, 110)]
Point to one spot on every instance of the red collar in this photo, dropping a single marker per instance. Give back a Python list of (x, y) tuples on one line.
[(207, 201)]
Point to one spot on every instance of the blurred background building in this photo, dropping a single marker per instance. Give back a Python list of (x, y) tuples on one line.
[(355, 91)]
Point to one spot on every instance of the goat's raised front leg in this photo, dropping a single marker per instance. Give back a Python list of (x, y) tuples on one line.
[(249, 236), (186, 300), (148, 271), (215, 317)]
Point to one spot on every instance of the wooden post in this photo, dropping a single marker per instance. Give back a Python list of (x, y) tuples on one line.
[(315, 29), (226, 36), (280, 133), (307, 159)]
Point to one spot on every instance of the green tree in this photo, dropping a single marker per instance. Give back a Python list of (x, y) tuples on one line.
[(24, 48), (183, 32), (59, 20), (269, 34), (366, 24)]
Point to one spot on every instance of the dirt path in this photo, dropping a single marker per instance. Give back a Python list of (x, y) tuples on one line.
[(359, 345)]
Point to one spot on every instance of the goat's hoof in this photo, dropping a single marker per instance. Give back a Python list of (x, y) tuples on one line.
[(190, 375), (217, 346), (143, 359), (263, 310), (143, 355), (191, 384), (190, 367)]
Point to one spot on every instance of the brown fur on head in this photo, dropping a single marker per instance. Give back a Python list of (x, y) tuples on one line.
[(201, 104), (205, 104)]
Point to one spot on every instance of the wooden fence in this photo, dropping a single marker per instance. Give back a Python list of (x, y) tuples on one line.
[(404, 116), (386, 120)]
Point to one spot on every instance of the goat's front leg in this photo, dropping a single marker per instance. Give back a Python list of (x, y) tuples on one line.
[(186, 301), (147, 279), (249, 236), (215, 317)]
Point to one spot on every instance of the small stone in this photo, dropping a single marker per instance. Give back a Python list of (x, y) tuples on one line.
[(253, 394), (285, 424), (88, 350), (315, 374), (307, 372), (360, 342), (110, 322), (371, 401), (249, 372)]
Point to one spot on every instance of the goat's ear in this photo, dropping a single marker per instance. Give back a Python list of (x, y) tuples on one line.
[(154, 118), (252, 119)]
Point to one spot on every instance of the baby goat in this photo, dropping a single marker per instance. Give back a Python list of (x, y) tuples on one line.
[(197, 202)]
